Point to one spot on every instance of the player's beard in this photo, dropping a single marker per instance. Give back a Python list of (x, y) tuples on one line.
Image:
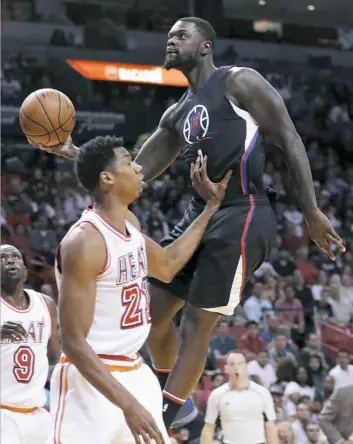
[(173, 62)]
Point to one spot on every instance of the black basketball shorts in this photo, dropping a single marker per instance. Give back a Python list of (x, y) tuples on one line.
[(237, 241)]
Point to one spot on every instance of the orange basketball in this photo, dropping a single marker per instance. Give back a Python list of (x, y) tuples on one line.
[(47, 117)]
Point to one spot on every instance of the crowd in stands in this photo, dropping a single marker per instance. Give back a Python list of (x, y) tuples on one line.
[(276, 325)]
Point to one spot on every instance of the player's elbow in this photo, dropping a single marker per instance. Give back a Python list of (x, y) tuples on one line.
[(71, 343)]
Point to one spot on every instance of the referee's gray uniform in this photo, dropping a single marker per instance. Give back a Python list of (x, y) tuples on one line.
[(242, 412)]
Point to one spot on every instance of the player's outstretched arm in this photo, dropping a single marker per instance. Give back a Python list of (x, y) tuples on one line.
[(77, 299), (248, 89), (161, 149), (165, 263)]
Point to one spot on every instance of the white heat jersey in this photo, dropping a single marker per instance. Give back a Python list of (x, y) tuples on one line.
[(24, 364), (121, 321)]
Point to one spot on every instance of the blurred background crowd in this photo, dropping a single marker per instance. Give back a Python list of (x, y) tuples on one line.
[(295, 323)]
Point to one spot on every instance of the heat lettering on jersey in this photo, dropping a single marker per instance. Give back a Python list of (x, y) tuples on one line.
[(34, 333), (129, 269)]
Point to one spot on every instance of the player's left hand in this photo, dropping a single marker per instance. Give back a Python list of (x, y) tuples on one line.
[(323, 234), (12, 331), (64, 149), (212, 193)]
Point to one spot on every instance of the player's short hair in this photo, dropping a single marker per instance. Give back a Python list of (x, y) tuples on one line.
[(93, 158), (204, 28)]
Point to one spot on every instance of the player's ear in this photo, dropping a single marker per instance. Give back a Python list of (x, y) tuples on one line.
[(106, 177), (206, 48)]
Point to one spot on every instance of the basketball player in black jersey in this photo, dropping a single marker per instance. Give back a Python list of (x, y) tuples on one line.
[(224, 115)]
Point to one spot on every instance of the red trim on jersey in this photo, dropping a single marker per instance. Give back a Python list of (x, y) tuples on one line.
[(111, 227), (20, 310), (42, 298)]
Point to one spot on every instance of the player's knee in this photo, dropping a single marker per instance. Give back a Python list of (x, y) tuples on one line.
[(197, 322)]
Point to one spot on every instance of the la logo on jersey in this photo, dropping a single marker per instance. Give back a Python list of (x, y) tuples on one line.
[(196, 124)]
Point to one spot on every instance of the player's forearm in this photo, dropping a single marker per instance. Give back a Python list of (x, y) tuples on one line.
[(94, 371), (207, 435), (154, 160), (180, 251), (299, 167), (271, 433)]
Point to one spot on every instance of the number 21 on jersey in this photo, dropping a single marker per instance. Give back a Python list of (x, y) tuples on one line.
[(136, 301)]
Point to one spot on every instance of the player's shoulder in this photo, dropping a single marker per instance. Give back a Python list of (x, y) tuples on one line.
[(49, 302), (221, 390), (260, 389), (243, 76), (167, 117), (86, 242)]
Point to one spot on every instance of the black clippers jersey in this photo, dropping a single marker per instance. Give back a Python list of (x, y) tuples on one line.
[(228, 135)]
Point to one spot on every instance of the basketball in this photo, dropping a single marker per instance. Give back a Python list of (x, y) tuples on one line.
[(47, 117)]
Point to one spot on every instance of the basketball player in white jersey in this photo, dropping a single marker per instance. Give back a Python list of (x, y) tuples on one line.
[(101, 390), (28, 337)]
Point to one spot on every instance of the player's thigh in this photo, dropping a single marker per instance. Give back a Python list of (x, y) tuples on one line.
[(81, 414), (236, 243), (144, 386), (12, 427)]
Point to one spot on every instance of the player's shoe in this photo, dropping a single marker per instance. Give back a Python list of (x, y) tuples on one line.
[(186, 414)]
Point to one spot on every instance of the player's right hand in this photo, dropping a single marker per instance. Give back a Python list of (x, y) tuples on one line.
[(63, 149), (142, 425), (212, 193), (323, 234), (12, 331)]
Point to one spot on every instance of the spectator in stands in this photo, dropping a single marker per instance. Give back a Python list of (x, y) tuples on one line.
[(308, 269), (281, 349), (346, 287), (42, 239), (285, 433), (211, 366), (323, 307), (223, 342), (304, 294), (260, 370), (270, 330), (316, 369), (303, 418), (301, 386), (256, 307), (321, 283), (284, 265), (322, 394), (314, 434), (251, 340), (342, 307), (342, 373), (313, 347), (289, 311), (277, 396), (270, 289)]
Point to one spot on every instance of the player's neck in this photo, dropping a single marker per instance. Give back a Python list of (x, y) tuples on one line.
[(14, 294), (197, 75), (113, 211), (239, 383)]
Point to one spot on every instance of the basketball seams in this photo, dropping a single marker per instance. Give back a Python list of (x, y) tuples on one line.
[(59, 114), (36, 123), (45, 111)]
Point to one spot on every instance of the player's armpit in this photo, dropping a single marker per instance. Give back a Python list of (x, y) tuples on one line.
[(82, 258), (161, 149), (248, 89)]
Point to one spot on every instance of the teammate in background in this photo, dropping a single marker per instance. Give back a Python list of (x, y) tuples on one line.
[(28, 337), (101, 390)]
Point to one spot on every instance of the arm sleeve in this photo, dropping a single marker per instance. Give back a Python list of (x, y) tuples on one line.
[(269, 408), (212, 411)]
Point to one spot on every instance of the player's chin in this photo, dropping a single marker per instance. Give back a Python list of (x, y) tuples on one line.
[(171, 64)]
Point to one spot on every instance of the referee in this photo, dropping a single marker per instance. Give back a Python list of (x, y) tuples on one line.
[(246, 409)]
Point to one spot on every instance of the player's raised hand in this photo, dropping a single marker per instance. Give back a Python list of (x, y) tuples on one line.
[(65, 149), (323, 234), (142, 425), (212, 193), (12, 331)]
